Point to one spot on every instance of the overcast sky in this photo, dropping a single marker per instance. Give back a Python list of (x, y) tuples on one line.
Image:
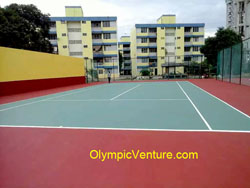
[(131, 12)]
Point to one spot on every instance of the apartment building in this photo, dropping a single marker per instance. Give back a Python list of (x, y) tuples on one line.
[(91, 38), (160, 47), (124, 54), (238, 16)]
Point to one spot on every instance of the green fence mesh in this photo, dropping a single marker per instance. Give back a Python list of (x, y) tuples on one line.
[(233, 64), (236, 61), (245, 71), (226, 64), (219, 65)]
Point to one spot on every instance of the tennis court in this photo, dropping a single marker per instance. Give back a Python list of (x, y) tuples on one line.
[(46, 141), (160, 105)]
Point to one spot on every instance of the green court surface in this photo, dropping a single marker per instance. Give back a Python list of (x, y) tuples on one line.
[(151, 105)]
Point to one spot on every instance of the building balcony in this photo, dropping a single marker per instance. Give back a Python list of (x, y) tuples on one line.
[(188, 53), (96, 28), (188, 43), (188, 33), (152, 34), (97, 40), (152, 44), (152, 54), (126, 49), (126, 55)]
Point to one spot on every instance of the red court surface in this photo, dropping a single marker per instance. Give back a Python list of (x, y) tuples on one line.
[(34, 157), (58, 157), (28, 95)]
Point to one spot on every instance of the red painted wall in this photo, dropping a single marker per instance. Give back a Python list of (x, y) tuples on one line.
[(15, 87)]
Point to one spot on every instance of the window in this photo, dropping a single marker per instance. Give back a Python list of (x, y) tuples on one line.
[(144, 60), (196, 39), (144, 30), (152, 50), (196, 48), (107, 36), (84, 22), (178, 48), (144, 40), (196, 29), (178, 57), (95, 24), (152, 30), (144, 50), (100, 71), (241, 18), (75, 42), (162, 48), (162, 58), (52, 37), (107, 47), (241, 30), (170, 44), (241, 6), (187, 49), (152, 40), (106, 24), (52, 24), (64, 34), (75, 53), (85, 46), (65, 46), (170, 34), (74, 29), (178, 37), (162, 38), (187, 39), (97, 36), (84, 34), (187, 29)]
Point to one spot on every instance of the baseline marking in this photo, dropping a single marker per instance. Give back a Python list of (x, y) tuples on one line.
[(123, 129), (221, 100), (125, 92), (105, 100), (204, 120), (46, 99)]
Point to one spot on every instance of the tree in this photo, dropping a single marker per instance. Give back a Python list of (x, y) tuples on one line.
[(24, 27), (224, 38), (145, 72)]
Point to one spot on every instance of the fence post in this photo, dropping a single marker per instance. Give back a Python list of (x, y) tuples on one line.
[(241, 59), (231, 56), (222, 72)]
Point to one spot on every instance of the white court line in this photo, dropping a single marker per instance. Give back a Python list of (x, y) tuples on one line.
[(13, 107), (151, 99), (123, 129), (125, 92), (204, 120), (221, 101), (101, 100)]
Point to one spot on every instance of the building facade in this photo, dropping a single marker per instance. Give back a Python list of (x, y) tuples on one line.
[(124, 55), (157, 46), (91, 38), (238, 16)]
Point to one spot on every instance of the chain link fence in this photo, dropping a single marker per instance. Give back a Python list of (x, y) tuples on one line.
[(233, 64)]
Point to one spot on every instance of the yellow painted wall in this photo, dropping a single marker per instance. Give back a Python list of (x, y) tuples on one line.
[(161, 38), (167, 19), (133, 51), (180, 43), (18, 64), (87, 40), (73, 12), (62, 40), (109, 28)]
